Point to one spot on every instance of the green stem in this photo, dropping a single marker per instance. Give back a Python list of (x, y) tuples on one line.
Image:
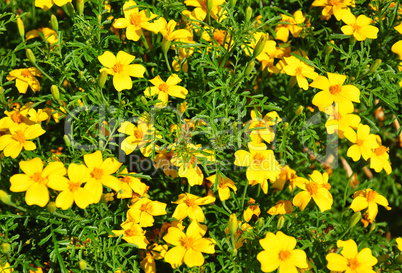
[(167, 62), (43, 72), (244, 195)]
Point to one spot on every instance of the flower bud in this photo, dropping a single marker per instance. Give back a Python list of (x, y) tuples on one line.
[(51, 207), (54, 23), (21, 28), (299, 110), (383, 258), (80, 7), (355, 219), (260, 222), (285, 125), (30, 56), (67, 140), (82, 264), (232, 4), (234, 252), (352, 41), (99, 18), (249, 13), (5, 197), (210, 4), (102, 78), (328, 49), (166, 46), (5, 248), (55, 92), (281, 222), (249, 68), (232, 224), (259, 47), (70, 9), (375, 65), (144, 100)]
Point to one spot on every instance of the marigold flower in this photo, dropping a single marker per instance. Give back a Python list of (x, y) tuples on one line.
[(251, 210), (333, 7), (318, 189), (282, 30), (144, 210), (101, 174), (71, 190), (47, 4), (167, 29), (189, 205), (279, 253), (35, 180), (201, 10), (281, 207), (163, 160), (300, 70), (166, 89), (19, 137), (134, 21), (25, 77), (338, 122), (399, 243), (335, 91), (351, 260), (37, 116), (131, 184), (156, 252), (224, 184), (364, 142), (49, 34), (184, 54), (6, 268), (119, 66), (16, 116), (189, 245), (368, 199), (380, 158), (260, 128), (359, 27), (287, 174), (132, 233)]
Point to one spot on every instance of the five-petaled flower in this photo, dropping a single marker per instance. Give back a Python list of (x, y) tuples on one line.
[(364, 142), (368, 199), (359, 27), (166, 89), (25, 77), (300, 70), (189, 205)]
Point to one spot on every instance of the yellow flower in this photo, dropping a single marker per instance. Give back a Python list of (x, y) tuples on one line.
[(251, 210), (281, 207), (224, 184), (131, 184), (338, 122), (19, 137), (6, 268), (166, 89), (101, 174), (300, 70), (47, 4), (189, 205), (201, 10), (189, 245), (71, 190), (380, 158), (259, 127), (333, 7), (134, 21), (119, 66), (184, 54), (318, 189), (351, 260), (144, 210), (132, 233), (49, 34), (291, 25), (335, 91), (25, 77), (399, 242), (279, 253), (37, 116), (16, 116), (364, 142), (397, 48), (164, 160), (168, 32), (156, 252), (35, 180), (359, 27), (261, 164), (287, 174), (368, 199)]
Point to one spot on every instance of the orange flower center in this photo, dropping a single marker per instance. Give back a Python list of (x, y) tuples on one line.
[(337, 115), (187, 242), (284, 255), (356, 28), (135, 19), (19, 136), (381, 150), (359, 142), (164, 87), (353, 263), (97, 173), (335, 89), (137, 134), (299, 71), (73, 186), (258, 159), (126, 179), (117, 68), (370, 195), (143, 207), (26, 73), (16, 117), (37, 177), (333, 2), (190, 202), (131, 232), (312, 187)]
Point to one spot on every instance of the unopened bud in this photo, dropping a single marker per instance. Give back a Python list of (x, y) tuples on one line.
[(372, 228), (51, 207), (352, 41), (299, 110), (30, 56), (82, 74), (102, 78), (232, 224), (82, 264), (328, 49), (99, 18), (210, 4), (55, 92), (260, 222), (166, 46), (144, 100), (80, 7), (5, 197), (21, 28), (249, 13), (67, 140), (249, 68), (355, 219), (375, 65), (259, 47), (383, 258), (285, 125), (232, 4), (281, 222), (5, 248), (234, 252), (399, 259), (54, 23), (70, 9)]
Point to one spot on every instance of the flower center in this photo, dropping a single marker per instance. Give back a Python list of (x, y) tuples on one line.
[(117, 67), (126, 179), (37, 177), (356, 27), (164, 87), (19, 136), (131, 232), (97, 173), (135, 19), (312, 187), (370, 195), (143, 207), (190, 202), (25, 73), (258, 159), (381, 150), (359, 142), (335, 89), (353, 263), (333, 2), (299, 71), (187, 242), (137, 134), (284, 255), (16, 117), (73, 186)]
